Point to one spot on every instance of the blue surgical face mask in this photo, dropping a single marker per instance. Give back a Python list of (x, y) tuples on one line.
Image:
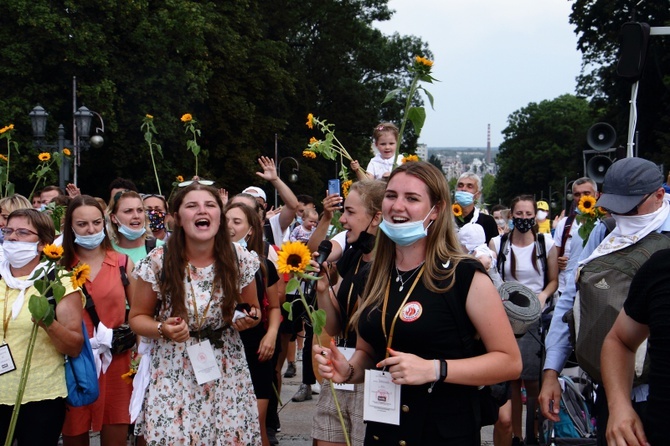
[(131, 234), (464, 198), (405, 234), (298, 219), (89, 241), (243, 241), (510, 224)]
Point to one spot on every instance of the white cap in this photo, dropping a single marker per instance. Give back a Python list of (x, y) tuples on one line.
[(255, 192)]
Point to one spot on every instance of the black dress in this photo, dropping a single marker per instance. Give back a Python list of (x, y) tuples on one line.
[(427, 329)]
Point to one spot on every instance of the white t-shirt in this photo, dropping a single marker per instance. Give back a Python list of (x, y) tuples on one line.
[(279, 236), (525, 273), (378, 166)]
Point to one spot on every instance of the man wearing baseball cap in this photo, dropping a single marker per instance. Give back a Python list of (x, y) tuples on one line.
[(633, 193)]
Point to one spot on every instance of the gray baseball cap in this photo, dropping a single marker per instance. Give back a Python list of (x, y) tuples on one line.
[(626, 183)]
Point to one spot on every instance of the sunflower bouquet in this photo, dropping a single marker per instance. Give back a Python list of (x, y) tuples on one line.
[(48, 282), (293, 259), (191, 126), (587, 216), (330, 147)]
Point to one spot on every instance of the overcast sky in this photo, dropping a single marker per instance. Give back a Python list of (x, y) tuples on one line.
[(492, 57)]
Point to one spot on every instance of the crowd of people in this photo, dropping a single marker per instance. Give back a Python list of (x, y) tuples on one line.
[(415, 326)]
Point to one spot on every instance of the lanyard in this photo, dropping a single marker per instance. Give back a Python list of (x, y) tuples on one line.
[(345, 333), (195, 303), (389, 337), (5, 319)]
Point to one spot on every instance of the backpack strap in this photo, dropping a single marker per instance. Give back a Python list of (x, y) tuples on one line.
[(503, 250), (90, 307), (610, 224), (542, 254), (566, 233), (149, 244), (123, 262)]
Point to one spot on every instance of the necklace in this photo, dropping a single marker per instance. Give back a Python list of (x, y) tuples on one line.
[(401, 277)]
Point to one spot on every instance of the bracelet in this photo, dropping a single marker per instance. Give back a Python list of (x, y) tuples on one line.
[(160, 330), (351, 374), (443, 369)]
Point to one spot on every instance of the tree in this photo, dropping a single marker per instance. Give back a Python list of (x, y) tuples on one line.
[(597, 23), (543, 143), (435, 161), (247, 70)]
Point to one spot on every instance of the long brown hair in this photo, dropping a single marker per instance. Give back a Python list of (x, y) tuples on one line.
[(442, 243), (255, 242), (512, 264), (226, 269), (69, 247)]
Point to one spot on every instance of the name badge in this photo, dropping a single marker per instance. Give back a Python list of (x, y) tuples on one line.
[(6, 361), (381, 398), (203, 362)]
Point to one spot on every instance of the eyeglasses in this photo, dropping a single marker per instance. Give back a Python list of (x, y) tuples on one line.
[(145, 196), (189, 182), (636, 209), (20, 233)]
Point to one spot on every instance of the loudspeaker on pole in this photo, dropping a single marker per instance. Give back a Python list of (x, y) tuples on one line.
[(601, 137)]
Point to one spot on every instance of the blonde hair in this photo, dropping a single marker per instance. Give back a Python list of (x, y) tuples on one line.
[(113, 229), (442, 244), (13, 202)]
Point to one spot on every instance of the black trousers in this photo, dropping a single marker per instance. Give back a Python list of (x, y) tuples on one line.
[(39, 424)]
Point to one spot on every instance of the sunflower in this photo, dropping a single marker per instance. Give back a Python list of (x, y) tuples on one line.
[(309, 154), (44, 156), (457, 210), (80, 274), (128, 376), (410, 159), (293, 257), (587, 205), (180, 178), (67, 152), (310, 121), (148, 116), (313, 140), (187, 118), (53, 252), (345, 187), (424, 61), (8, 127), (4, 158)]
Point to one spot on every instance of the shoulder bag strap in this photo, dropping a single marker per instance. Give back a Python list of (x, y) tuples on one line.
[(566, 234), (542, 254), (502, 257), (90, 307)]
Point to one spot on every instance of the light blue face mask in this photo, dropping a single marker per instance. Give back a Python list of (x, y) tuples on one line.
[(464, 198), (405, 234), (131, 234), (89, 241), (243, 241), (298, 219)]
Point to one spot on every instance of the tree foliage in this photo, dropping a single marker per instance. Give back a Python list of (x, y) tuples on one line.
[(597, 24), (247, 70), (543, 144)]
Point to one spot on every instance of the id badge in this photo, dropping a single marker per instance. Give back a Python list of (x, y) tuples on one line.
[(6, 360), (381, 398), (348, 353), (203, 362)]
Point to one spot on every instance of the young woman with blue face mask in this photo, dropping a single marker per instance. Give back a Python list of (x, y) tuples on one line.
[(408, 337), (128, 226), (85, 241)]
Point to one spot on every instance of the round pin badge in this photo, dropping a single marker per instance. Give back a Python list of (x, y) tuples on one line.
[(411, 312)]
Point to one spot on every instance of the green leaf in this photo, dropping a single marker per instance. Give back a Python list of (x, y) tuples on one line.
[(159, 149), (148, 137), (430, 97), (58, 290), (292, 285), (38, 306), (49, 317), (40, 285), (418, 117), (289, 309), (392, 94), (318, 321)]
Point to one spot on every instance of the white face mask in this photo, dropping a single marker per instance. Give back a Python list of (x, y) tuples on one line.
[(19, 254), (541, 215)]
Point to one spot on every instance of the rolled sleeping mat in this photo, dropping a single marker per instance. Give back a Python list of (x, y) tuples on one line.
[(521, 305)]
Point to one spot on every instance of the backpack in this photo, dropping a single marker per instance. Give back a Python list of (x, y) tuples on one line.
[(575, 417), (603, 286)]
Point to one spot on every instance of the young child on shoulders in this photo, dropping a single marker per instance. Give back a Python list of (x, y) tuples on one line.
[(473, 240), (302, 233), (385, 140)]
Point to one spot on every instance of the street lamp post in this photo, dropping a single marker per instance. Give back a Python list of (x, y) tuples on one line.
[(81, 135), (293, 177)]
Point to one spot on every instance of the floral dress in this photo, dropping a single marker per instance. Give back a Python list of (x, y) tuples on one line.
[(178, 411)]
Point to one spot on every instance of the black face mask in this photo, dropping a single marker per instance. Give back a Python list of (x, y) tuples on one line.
[(365, 242), (523, 225)]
